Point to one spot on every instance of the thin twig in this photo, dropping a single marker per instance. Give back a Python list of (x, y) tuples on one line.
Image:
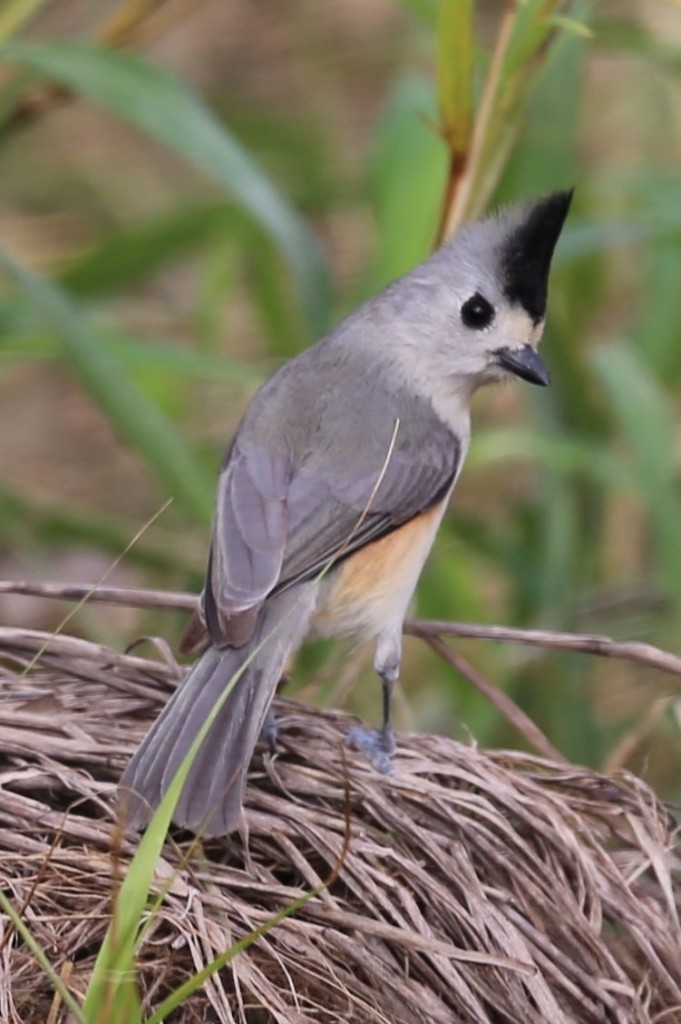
[(506, 707), (107, 572), (170, 600), (584, 643), (624, 750), (125, 597)]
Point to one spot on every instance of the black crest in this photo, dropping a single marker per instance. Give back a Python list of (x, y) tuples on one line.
[(527, 254)]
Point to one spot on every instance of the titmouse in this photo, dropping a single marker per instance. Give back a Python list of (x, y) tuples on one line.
[(331, 493)]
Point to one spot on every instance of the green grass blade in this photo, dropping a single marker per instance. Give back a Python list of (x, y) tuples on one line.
[(407, 177), (182, 992), (157, 103), (647, 422), (115, 964), (107, 997), (15, 14), (531, 28), (127, 258), (271, 297), (526, 36), (571, 25), (55, 525), (131, 352), (423, 10), (657, 332), (41, 958), (545, 156), (585, 240), (138, 421), (570, 456), (455, 53)]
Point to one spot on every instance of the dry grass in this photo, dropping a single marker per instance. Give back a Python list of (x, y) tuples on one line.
[(479, 886)]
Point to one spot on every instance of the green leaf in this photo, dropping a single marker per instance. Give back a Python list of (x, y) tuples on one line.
[(25, 521), (128, 258), (524, 41), (408, 174), (657, 333), (139, 422), (455, 53), (647, 423), (156, 102), (424, 10), (583, 240), (111, 992), (571, 25), (161, 356), (272, 300), (569, 456), (545, 156), (531, 28)]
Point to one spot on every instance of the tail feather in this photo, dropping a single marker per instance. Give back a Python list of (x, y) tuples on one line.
[(212, 796)]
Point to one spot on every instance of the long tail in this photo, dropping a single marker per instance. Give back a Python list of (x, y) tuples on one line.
[(212, 797)]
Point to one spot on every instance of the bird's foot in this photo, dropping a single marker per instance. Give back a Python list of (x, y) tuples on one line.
[(377, 744)]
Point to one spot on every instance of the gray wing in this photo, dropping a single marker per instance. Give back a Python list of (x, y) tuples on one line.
[(330, 516), (248, 542), (276, 525)]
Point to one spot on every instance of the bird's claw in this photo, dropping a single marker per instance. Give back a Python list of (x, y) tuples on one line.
[(377, 744)]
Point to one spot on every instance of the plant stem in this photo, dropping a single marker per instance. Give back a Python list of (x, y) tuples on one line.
[(464, 174)]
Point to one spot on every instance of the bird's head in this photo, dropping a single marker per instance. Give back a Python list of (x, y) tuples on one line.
[(489, 286)]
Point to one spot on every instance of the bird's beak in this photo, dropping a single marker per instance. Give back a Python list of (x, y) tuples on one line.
[(524, 362)]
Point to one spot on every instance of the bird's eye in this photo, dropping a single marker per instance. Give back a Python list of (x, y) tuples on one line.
[(477, 312)]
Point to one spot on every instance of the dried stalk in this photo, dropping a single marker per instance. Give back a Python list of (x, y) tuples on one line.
[(583, 643), (465, 869), (507, 708)]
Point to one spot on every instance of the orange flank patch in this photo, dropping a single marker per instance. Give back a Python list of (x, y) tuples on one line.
[(372, 588)]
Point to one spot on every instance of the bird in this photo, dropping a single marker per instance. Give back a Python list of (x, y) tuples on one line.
[(330, 496)]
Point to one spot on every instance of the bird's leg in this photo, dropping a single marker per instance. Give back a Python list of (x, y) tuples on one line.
[(268, 733), (379, 744)]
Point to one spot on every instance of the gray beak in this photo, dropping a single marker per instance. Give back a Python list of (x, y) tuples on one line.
[(524, 362)]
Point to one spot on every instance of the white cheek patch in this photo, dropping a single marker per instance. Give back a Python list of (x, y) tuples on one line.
[(537, 332), (519, 330)]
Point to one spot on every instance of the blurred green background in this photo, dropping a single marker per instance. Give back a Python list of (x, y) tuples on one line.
[(209, 185)]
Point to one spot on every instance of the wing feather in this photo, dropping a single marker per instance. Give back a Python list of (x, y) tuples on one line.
[(248, 542), (328, 520)]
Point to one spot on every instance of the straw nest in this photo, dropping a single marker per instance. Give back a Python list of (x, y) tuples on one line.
[(478, 886)]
